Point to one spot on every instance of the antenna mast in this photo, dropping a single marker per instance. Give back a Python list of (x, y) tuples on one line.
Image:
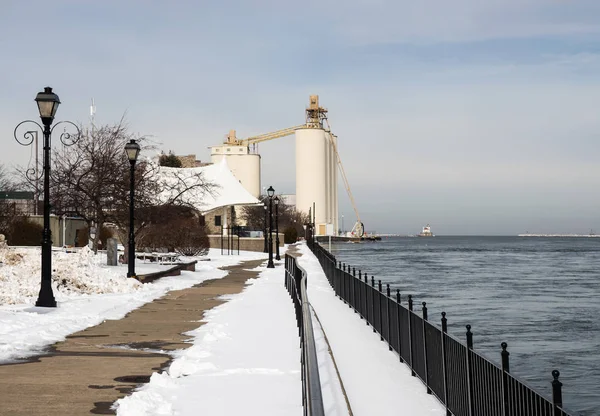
[(92, 113)]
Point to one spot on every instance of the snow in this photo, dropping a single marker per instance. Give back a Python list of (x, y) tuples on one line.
[(245, 359), (374, 379), (88, 293), (227, 191)]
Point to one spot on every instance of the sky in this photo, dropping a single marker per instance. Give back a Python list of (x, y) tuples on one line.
[(475, 117)]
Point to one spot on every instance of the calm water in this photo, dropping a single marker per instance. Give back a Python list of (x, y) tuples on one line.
[(540, 295)]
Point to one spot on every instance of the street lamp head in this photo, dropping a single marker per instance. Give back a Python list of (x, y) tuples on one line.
[(133, 150), (47, 102), (276, 200), (270, 192)]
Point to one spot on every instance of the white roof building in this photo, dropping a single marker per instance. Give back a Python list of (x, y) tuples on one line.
[(226, 191)]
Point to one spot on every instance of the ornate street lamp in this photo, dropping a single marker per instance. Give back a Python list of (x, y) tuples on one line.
[(266, 247), (133, 150), (270, 193), (47, 102), (277, 228)]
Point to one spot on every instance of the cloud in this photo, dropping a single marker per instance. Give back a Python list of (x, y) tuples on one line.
[(430, 21), (433, 101)]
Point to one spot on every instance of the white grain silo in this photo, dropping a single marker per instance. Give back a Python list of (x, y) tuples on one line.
[(316, 170), (243, 162), (311, 174)]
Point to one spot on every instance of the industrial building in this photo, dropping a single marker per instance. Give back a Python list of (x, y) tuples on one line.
[(317, 162)]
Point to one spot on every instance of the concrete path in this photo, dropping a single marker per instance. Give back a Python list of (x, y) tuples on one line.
[(91, 369)]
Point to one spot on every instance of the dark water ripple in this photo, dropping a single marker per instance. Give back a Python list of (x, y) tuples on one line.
[(540, 295)]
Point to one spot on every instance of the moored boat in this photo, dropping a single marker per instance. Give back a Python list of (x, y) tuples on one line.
[(426, 232)]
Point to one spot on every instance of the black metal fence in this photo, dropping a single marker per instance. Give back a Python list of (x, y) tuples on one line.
[(295, 283), (230, 237), (467, 383)]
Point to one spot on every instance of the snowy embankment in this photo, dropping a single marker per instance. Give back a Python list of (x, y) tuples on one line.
[(375, 381), (86, 290)]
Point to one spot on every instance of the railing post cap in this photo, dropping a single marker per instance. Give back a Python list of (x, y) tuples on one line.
[(410, 296), (555, 374), (468, 328), (424, 304), (398, 291), (444, 315), (504, 345)]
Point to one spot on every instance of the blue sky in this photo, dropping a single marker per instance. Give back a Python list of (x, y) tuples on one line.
[(477, 117)]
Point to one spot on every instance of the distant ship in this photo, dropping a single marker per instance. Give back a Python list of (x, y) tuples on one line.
[(426, 232)]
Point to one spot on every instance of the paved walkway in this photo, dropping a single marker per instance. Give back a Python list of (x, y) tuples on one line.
[(91, 369)]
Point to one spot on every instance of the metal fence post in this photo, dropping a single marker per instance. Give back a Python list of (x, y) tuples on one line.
[(366, 302), (556, 393), (343, 291), (380, 311), (360, 295), (356, 286), (505, 371), (425, 348), (352, 291), (410, 342), (337, 279), (389, 320), (444, 363), (373, 302), (470, 370), (399, 326)]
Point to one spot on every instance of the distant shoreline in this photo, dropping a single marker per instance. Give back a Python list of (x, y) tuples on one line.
[(558, 235), (494, 235)]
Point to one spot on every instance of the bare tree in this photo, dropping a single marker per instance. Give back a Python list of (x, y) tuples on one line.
[(90, 179), (7, 208), (288, 216)]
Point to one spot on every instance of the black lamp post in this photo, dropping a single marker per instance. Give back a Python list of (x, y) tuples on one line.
[(133, 150), (270, 192), (47, 103), (277, 228), (266, 248)]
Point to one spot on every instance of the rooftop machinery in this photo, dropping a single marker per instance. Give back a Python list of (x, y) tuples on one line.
[(317, 159)]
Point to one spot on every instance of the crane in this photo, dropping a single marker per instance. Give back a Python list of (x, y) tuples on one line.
[(359, 228), (316, 117), (234, 141)]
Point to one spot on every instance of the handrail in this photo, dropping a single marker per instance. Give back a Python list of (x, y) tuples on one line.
[(295, 282), (465, 381)]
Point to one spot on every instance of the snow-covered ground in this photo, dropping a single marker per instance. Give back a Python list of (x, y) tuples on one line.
[(245, 359), (375, 381), (88, 293)]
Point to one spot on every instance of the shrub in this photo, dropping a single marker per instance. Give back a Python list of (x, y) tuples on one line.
[(290, 235), (24, 232), (192, 239), (169, 160), (83, 237), (175, 229)]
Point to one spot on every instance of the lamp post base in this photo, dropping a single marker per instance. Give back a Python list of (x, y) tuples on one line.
[(270, 265), (46, 298)]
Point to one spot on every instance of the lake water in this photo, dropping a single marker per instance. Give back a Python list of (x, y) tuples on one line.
[(540, 295)]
